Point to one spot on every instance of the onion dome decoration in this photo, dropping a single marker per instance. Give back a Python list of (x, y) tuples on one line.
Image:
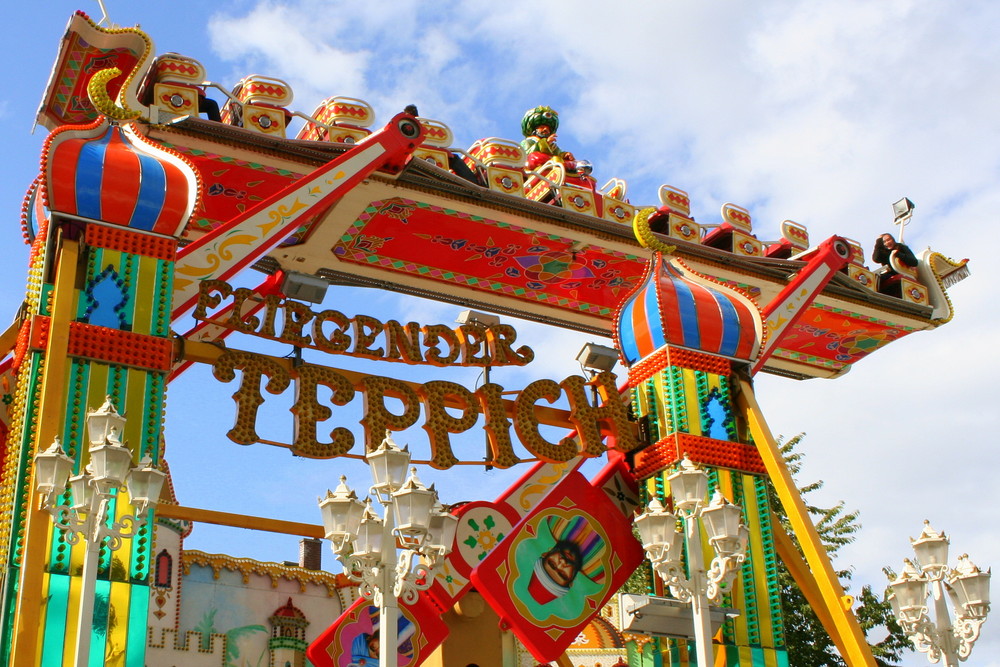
[(113, 174), (674, 305), (289, 611)]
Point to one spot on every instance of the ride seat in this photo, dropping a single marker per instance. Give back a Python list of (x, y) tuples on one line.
[(900, 268), (434, 148), (904, 283), (177, 84), (613, 205), (794, 239), (544, 183), (552, 182), (345, 120), (733, 234), (857, 252), (497, 162), (673, 218), (856, 269), (259, 105)]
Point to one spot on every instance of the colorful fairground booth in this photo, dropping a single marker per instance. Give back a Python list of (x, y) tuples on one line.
[(152, 197)]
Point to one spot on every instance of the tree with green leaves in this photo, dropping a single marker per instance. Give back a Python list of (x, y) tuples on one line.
[(808, 643)]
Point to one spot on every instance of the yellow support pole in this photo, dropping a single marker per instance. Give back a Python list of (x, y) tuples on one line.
[(198, 515), (799, 569), (834, 601), (51, 415)]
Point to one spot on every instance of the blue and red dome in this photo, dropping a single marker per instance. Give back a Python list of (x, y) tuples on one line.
[(674, 305), (111, 173)]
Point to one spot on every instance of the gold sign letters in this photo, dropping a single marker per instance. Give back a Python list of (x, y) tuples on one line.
[(430, 398), (363, 336)]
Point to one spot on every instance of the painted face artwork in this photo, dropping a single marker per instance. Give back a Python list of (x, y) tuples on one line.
[(561, 564)]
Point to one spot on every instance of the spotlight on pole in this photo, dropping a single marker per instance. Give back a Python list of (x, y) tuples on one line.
[(597, 358), (304, 287), (475, 317), (902, 211)]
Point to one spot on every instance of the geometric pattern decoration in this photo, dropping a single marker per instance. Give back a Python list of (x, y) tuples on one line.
[(86, 49), (105, 300), (835, 338), (685, 409), (127, 241), (404, 235), (230, 185), (482, 525), (98, 343), (702, 451), (412, 237)]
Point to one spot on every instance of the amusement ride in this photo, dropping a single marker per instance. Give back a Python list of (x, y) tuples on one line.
[(152, 199)]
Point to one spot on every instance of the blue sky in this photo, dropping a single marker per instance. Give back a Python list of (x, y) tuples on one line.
[(820, 112)]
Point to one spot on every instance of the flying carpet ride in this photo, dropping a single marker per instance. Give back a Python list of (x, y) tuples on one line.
[(144, 209)]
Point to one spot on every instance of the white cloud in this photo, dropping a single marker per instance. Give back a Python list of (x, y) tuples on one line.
[(250, 43)]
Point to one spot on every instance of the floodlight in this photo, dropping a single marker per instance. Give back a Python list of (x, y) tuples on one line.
[(596, 357), (475, 317), (304, 287), (902, 209)]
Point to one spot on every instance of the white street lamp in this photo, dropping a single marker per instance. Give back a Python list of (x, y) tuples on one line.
[(411, 510), (441, 532), (52, 469), (388, 465), (664, 543), (103, 423), (968, 589), (86, 517), (367, 544), (342, 513)]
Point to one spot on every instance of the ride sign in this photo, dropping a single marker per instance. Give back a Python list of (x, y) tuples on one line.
[(591, 422)]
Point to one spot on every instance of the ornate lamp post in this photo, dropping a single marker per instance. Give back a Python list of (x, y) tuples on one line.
[(393, 558), (968, 588), (664, 545), (92, 491)]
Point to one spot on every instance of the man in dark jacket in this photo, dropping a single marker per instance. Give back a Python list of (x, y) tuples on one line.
[(886, 246)]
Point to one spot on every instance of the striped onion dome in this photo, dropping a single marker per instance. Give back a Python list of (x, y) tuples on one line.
[(111, 173), (674, 305)]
